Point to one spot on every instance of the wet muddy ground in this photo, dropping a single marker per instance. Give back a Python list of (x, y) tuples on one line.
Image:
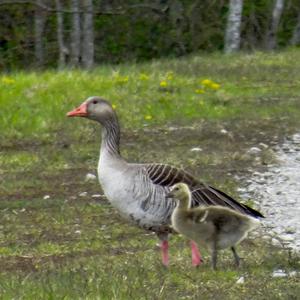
[(276, 189)]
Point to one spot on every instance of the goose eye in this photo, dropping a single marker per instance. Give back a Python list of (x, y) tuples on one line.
[(95, 102)]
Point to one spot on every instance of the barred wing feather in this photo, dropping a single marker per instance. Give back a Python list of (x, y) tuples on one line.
[(208, 195), (166, 176)]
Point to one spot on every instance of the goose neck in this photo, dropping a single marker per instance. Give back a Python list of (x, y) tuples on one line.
[(111, 138), (184, 203)]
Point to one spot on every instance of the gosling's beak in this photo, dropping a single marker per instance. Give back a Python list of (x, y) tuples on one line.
[(170, 195)]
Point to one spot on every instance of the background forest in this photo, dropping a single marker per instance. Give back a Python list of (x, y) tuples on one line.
[(51, 33)]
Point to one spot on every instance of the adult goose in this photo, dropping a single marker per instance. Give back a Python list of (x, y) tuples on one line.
[(138, 191), (216, 227)]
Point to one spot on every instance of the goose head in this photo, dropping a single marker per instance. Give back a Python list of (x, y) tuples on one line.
[(94, 108), (180, 192)]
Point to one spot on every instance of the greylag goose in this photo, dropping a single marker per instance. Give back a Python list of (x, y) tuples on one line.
[(138, 191), (216, 227)]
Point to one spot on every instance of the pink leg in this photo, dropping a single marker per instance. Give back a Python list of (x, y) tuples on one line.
[(196, 256), (165, 254)]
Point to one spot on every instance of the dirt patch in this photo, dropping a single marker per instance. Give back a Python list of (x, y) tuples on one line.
[(213, 151), (35, 263), (58, 184)]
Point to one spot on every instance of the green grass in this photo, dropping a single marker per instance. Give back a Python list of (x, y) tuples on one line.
[(34, 105), (68, 246), (81, 250)]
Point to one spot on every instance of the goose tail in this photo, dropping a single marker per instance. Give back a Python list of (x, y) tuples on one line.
[(253, 213), (253, 223)]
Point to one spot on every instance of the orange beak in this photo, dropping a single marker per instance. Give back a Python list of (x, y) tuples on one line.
[(80, 111)]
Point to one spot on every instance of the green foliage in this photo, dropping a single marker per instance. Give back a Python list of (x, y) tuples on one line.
[(136, 32)]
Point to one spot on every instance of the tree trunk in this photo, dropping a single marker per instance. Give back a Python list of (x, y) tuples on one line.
[(233, 27), (295, 40), (276, 15), (39, 25), (176, 15), (87, 48), (75, 34), (60, 35)]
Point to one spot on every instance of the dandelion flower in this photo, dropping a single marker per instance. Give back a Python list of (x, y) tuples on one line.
[(170, 75), (124, 79), (199, 91), (114, 106), (7, 80), (163, 83), (148, 117), (144, 77), (206, 82), (215, 86), (121, 79)]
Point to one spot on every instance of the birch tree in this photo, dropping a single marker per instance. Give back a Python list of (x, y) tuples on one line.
[(60, 35), (87, 49), (295, 40), (39, 25), (271, 42), (75, 34), (176, 15), (233, 27)]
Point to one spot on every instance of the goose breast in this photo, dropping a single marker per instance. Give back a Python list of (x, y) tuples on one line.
[(133, 194)]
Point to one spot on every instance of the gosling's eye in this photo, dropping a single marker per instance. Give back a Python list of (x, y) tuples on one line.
[(176, 189), (95, 101)]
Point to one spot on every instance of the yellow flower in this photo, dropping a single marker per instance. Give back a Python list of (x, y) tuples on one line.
[(215, 86), (210, 84), (144, 77), (170, 75), (163, 83), (114, 106), (121, 79), (199, 91), (148, 117), (206, 82), (7, 80)]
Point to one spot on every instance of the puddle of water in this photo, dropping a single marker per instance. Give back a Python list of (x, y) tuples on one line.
[(277, 190)]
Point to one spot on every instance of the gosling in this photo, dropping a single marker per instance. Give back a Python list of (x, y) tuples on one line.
[(215, 227)]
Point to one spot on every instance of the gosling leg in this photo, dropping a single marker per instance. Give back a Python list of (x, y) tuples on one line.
[(236, 257), (214, 256)]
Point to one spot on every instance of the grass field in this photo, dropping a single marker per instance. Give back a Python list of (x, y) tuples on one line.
[(57, 242)]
